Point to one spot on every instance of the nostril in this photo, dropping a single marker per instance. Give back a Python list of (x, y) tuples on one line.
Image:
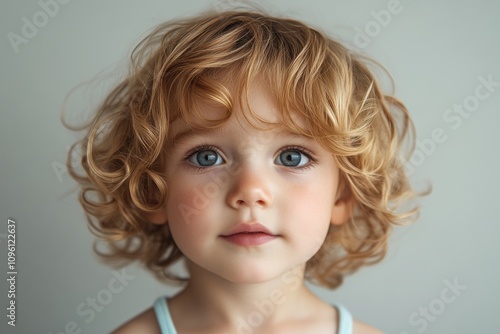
[(259, 202), (248, 195)]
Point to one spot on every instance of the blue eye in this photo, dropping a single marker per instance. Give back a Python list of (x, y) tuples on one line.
[(205, 158), (292, 158)]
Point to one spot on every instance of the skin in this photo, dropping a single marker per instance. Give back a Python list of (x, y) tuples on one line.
[(286, 182)]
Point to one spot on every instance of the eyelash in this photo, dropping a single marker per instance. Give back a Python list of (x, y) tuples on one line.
[(302, 150), (198, 149)]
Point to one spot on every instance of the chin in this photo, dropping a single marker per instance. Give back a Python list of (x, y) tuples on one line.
[(249, 274)]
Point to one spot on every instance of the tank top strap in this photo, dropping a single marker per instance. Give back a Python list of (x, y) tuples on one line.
[(163, 316), (345, 320)]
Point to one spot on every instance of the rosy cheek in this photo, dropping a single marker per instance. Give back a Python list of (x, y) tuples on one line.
[(311, 204), (189, 208), (182, 207), (310, 197)]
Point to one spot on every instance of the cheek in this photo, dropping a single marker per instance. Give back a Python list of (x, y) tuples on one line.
[(189, 208), (312, 208), (183, 220), (313, 198), (308, 210)]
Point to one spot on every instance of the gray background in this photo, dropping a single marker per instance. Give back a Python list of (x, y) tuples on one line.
[(436, 53)]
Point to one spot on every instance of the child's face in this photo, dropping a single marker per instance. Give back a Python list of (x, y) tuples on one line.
[(236, 175)]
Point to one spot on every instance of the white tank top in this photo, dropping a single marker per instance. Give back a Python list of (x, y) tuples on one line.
[(167, 325)]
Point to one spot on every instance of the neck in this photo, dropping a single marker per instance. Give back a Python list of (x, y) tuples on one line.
[(212, 300)]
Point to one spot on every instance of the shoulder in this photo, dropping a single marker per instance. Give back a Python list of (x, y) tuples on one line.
[(361, 328), (144, 323)]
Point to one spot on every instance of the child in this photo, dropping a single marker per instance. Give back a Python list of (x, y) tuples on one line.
[(259, 151)]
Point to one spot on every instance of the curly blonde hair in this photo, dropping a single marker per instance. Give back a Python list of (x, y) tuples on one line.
[(310, 74)]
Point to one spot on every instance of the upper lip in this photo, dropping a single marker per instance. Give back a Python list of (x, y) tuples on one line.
[(248, 228)]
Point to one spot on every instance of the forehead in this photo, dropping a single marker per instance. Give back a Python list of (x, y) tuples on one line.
[(255, 106)]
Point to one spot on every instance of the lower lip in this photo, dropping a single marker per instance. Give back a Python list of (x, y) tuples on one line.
[(249, 239)]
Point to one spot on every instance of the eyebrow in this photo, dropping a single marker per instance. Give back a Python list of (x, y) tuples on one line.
[(189, 133)]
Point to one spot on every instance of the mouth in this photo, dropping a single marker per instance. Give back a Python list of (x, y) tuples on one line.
[(253, 234)]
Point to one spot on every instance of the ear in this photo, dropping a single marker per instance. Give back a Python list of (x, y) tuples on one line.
[(343, 207), (158, 217)]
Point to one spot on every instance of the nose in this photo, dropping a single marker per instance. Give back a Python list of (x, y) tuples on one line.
[(250, 188)]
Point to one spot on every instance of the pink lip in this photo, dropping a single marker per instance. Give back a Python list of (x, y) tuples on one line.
[(249, 235)]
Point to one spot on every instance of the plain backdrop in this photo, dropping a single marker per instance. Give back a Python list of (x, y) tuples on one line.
[(441, 55)]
